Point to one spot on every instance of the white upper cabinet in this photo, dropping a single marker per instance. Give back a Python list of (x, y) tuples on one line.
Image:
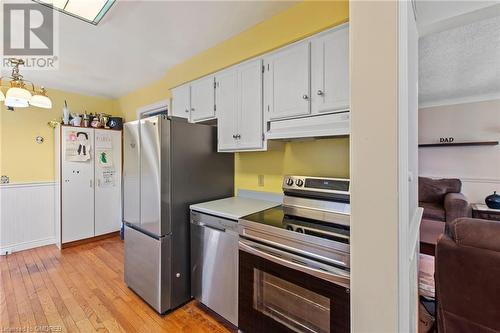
[(203, 99), (287, 78), (250, 124), (226, 99), (330, 71), (181, 101), (239, 107)]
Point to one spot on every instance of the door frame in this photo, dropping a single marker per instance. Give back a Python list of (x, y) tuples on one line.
[(408, 229)]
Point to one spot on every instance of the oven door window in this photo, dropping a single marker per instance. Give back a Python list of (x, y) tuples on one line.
[(298, 308), (280, 299)]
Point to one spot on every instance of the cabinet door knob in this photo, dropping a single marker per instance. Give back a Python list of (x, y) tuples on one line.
[(187, 110), (234, 136), (238, 136), (320, 92), (192, 109), (305, 97)]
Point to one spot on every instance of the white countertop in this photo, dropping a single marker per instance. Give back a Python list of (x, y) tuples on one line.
[(234, 207)]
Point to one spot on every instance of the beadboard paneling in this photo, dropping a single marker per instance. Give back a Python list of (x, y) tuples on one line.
[(26, 216)]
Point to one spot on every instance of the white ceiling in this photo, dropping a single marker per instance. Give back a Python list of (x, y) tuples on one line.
[(460, 61), (137, 41)]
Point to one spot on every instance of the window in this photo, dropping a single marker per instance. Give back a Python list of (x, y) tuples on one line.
[(91, 11)]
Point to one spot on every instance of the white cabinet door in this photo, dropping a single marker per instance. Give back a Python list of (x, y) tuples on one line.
[(226, 97), (330, 71), (77, 189), (287, 79), (250, 123), (181, 104), (203, 99), (108, 157)]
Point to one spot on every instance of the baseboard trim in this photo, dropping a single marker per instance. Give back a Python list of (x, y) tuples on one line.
[(90, 240), (26, 245)]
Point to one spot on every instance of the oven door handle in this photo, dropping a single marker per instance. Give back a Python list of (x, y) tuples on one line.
[(333, 275)]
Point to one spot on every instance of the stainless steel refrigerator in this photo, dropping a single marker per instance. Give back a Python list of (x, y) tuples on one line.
[(168, 165)]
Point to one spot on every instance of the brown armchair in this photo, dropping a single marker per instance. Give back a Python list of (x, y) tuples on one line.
[(441, 199), (442, 203), (467, 276)]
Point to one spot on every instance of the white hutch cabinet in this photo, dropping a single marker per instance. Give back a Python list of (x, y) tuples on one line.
[(88, 175)]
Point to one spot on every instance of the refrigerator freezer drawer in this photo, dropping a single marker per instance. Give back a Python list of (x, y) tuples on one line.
[(147, 268)]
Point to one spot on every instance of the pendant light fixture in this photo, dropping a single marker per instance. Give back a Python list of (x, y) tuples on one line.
[(40, 99), (18, 96)]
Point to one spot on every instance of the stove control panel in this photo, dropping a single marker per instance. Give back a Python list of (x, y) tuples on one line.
[(316, 184)]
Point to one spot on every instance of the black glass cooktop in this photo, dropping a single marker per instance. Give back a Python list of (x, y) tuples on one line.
[(275, 217)]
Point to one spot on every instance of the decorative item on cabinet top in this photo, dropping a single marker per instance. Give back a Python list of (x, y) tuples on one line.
[(112, 123)]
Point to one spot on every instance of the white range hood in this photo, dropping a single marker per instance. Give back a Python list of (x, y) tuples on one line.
[(334, 124)]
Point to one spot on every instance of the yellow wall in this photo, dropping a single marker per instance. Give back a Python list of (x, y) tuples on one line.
[(320, 157), (21, 158)]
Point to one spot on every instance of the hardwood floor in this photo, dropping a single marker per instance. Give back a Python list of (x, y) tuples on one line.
[(81, 289)]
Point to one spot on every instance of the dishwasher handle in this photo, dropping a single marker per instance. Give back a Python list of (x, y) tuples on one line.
[(205, 225), (211, 227)]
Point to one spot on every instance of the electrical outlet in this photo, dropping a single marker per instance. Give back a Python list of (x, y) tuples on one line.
[(261, 180)]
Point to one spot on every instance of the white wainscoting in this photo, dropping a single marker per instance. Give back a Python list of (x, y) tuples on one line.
[(27, 216)]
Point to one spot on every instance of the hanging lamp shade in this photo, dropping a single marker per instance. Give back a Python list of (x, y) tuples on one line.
[(17, 97), (41, 101), (16, 103)]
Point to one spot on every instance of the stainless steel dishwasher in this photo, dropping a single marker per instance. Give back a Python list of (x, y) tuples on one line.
[(214, 264)]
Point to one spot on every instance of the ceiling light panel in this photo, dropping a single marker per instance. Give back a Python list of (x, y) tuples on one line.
[(91, 11)]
